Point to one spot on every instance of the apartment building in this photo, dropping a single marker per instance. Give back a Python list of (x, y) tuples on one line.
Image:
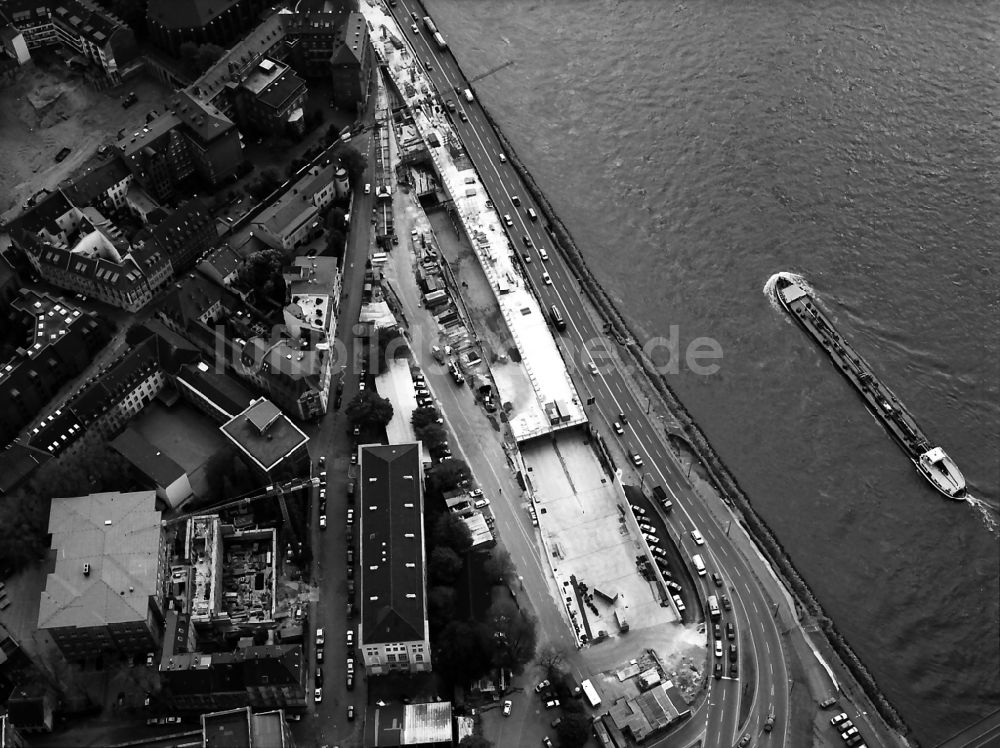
[(297, 215), (173, 22), (59, 342), (393, 634), (81, 250), (190, 137), (81, 27)]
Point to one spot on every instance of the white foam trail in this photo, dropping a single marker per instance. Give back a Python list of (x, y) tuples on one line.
[(987, 513), (770, 288)]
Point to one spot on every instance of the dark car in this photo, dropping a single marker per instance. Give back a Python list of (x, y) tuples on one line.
[(725, 603), (732, 653), (733, 670), (63, 154), (718, 670), (717, 579), (350, 681), (730, 632), (350, 712), (319, 676)]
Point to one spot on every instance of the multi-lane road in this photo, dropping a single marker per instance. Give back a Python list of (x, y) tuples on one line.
[(763, 674)]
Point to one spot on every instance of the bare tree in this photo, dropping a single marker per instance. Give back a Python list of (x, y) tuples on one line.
[(551, 658)]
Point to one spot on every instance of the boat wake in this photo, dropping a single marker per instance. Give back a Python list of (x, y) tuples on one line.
[(987, 513), (771, 292)]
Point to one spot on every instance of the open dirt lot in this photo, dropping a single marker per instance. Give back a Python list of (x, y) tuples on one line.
[(43, 111)]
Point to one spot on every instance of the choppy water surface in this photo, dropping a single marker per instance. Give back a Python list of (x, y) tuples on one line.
[(694, 149)]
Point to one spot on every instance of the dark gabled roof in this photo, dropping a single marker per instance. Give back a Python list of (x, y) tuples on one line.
[(223, 391), (392, 548), (172, 350), (17, 463), (351, 45), (44, 214), (190, 298), (186, 14), (56, 431), (203, 120), (85, 189), (146, 458), (175, 230)]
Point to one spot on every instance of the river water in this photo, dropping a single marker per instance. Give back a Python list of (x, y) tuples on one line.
[(695, 149)]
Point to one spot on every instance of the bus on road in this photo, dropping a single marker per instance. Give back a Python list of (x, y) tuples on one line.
[(590, 693)]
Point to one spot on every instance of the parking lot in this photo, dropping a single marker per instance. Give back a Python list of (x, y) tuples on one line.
[(48, 110)]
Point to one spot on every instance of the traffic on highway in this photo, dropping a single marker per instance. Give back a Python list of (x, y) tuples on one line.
[(756, 651)]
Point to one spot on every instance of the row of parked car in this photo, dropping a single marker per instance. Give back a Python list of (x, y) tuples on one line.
[(848, 732)]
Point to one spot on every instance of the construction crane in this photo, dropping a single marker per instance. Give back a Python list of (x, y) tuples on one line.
[(276, 489), (496, 69)]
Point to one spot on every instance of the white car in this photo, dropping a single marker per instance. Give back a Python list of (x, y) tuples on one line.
[(368, 189), (320, 637), (544, 255), (718, 648), (506, 708), (546, 279), (322, 522), (507, 219), (480, 503), (837, 719), (503, 158), (593, 368), (618, 428), (637, 459), (698, 539), (414, 28), (318, 695)]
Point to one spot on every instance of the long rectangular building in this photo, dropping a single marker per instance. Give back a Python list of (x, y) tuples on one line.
[(394, 633)]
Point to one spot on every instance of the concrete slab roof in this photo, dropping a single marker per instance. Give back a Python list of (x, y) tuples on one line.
[(267, 447)]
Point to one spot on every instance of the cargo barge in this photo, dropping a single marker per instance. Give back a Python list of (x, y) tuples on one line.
[(932, 462)]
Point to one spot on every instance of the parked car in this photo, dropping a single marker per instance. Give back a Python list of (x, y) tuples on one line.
[(320, 637), (319, 655), (838, 718), (350, 681), (350, 712), (318, 695), (319, 676), (322, 522), (542, 686), (553, 704)]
